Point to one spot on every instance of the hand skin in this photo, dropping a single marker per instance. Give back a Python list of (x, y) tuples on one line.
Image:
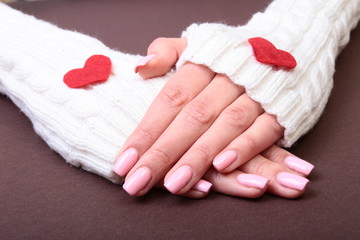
[(197, 117), (269, 164)]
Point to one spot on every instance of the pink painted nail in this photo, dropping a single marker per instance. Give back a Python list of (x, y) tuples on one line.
[(298, 165), (202, 186), (252, 180), (144, 61), (225, 159), (179, 179), (291, 180), (138, 181), (126, 161)]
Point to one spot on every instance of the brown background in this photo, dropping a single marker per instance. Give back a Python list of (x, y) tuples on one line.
[(42, 197)]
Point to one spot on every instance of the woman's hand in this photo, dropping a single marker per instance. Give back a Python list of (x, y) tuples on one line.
[(275, 171), (198, 119)]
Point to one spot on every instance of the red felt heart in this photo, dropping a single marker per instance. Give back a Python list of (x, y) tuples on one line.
[(266, 52), (96, 69)]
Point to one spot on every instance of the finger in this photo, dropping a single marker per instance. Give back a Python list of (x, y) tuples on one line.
[(237, 183), (292, 162), (187, 127), (282, 183), (195, 194), (188, 82), (162, 55), (200, 190), (264, 132), (232, 121)]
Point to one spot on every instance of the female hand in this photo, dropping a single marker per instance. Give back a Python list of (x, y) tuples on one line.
[(275, 171), (198, 119)]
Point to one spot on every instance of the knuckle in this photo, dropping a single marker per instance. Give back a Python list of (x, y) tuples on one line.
[(214, 176), (145, 133), (199, 113), (202, 152), (251, 144), (174, 97), (275, 126), (272, 152), (161, 157), (276, 154), (266, 168), (158, 42), (236, 116), (278, 129)]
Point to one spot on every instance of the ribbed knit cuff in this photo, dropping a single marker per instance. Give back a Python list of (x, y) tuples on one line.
[(312, 31)]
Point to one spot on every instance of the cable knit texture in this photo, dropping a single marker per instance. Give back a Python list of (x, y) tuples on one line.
[(313, 31), (88, 126)]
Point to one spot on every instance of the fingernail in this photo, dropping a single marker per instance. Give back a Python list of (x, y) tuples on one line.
[(138, 181), (144, 61), (179, 179), (202, 186), (225, 159), (251, 180), (291, 180), (126, 161), (298, 165)]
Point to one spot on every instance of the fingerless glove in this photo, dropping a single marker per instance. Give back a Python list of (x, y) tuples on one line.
[(86, 126), (313, 31)]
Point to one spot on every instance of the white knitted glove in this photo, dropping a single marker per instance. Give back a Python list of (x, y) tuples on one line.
[(86, 126), (313, 31)]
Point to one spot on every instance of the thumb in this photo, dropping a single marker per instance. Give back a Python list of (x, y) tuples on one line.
[(163, 53)]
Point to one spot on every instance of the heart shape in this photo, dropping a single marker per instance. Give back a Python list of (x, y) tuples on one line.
[(96, 69), (267, 53)]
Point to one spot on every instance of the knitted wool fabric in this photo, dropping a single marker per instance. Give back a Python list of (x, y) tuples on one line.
[(313, 31), (86, 126)]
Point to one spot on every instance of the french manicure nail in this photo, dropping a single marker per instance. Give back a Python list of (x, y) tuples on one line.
[(252, 180), (126, 161), (144, 61), (298, 165), (202, 186), (225, 159), (138, 181), (291, 180), (179, 179)]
